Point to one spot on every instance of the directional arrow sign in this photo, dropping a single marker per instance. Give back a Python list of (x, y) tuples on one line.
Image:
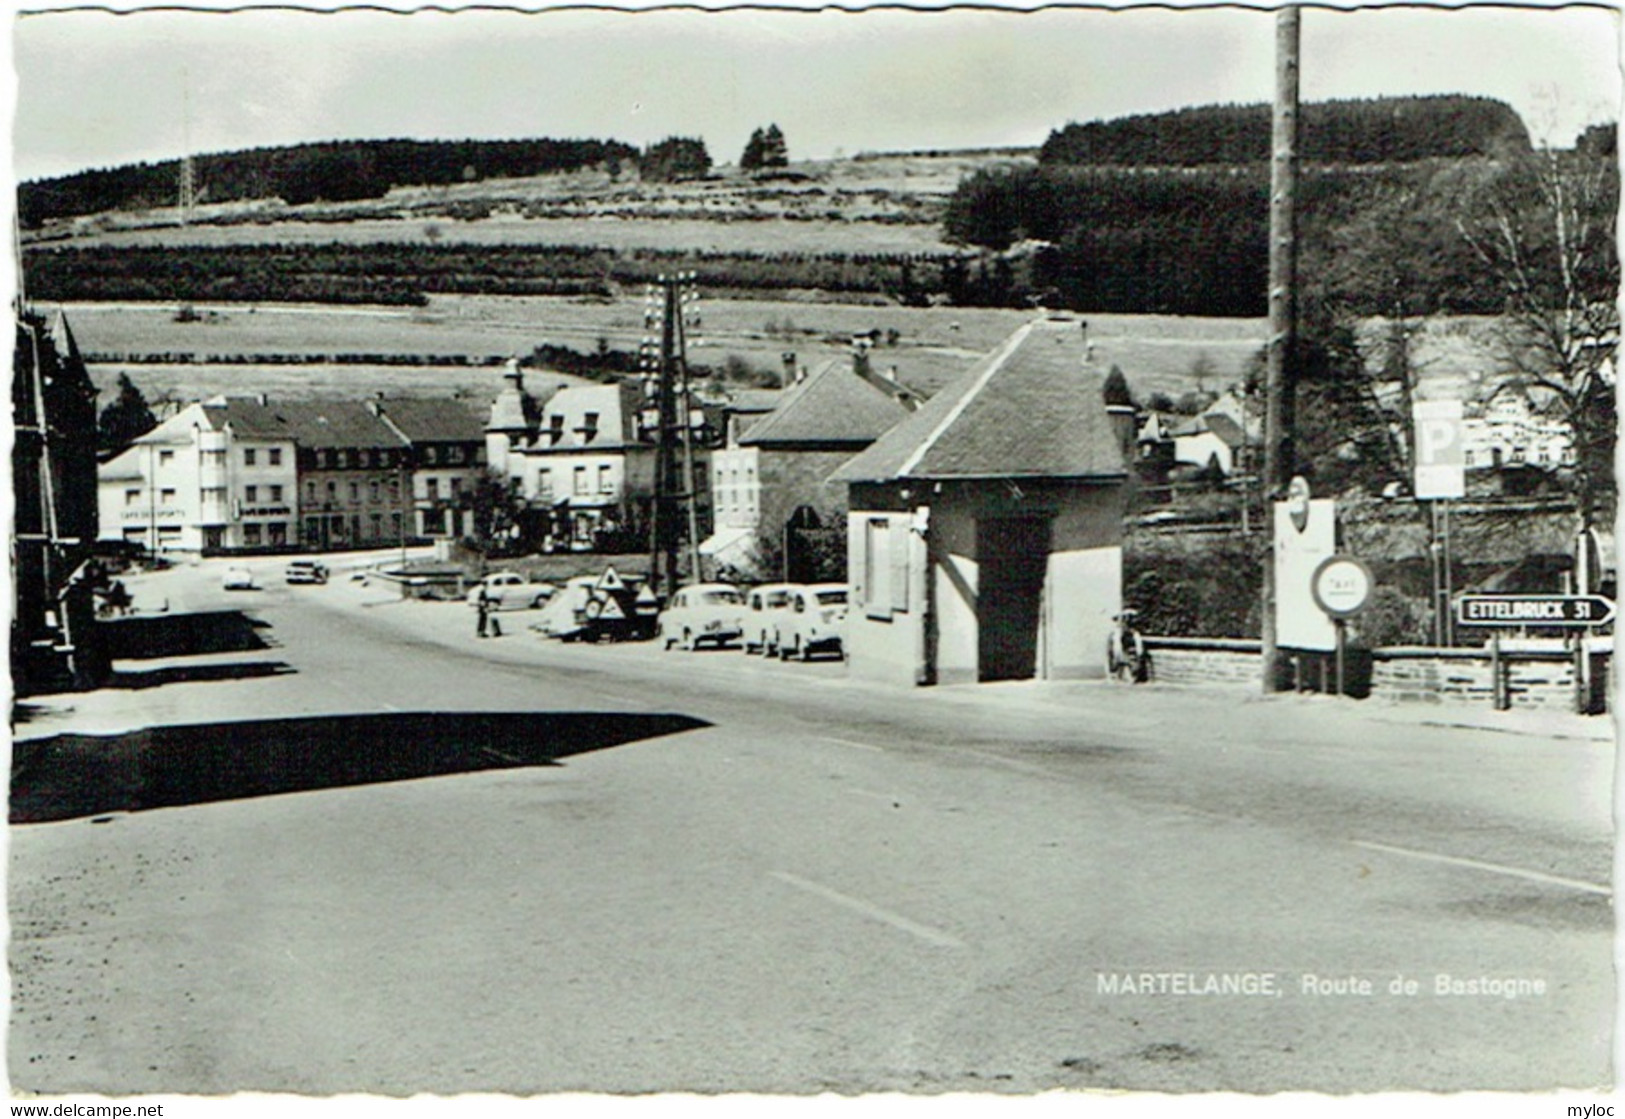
[(1581, 610)]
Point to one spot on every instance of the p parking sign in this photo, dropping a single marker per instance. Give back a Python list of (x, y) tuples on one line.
[(1440, 458)]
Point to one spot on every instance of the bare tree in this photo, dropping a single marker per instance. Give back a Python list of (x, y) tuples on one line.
[(1545, 228)]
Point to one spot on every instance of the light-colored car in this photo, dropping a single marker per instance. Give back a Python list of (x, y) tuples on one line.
[(704, 612), (813, 622), (238, 578), (305, 571), (763, 605), (509, 590)]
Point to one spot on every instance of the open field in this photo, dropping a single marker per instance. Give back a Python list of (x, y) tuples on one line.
[(933, 344), (299, 382), (762, 233), (890, 203)]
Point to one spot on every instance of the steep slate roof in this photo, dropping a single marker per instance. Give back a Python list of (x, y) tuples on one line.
[(313, 424), (250, 418), (423, 420), (833, 405), (178, 428), (617, 406), (1029, 409)]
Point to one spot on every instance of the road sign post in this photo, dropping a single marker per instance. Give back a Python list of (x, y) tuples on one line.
[(1341, 586), (1440, 477), (1515, 611)]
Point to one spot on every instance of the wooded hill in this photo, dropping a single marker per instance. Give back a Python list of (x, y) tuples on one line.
[(336, 172), (1379, 130), (1146, 215)]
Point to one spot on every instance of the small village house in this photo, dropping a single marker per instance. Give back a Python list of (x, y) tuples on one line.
[(778, 470), (585, 461), (985, 531), (446, 441)]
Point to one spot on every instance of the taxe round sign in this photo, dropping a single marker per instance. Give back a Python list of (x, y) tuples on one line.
[(1341, 586)]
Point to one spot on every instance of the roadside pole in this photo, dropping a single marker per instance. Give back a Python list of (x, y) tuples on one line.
[(676, 300), (1282, 352)]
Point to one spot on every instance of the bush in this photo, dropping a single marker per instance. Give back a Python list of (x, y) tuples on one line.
[(1392, 618)]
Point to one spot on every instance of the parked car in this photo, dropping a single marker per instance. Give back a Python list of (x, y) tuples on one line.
[(705, 612), (509, 590), (237, 579), (305, 571), (763, 605), (813, 622)]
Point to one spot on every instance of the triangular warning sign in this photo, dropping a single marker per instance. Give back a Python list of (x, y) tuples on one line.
[(612, 609), (610, 581), (646, 595)]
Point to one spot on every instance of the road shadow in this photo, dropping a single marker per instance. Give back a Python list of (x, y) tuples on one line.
[(196, 673), (150, 636), (71, 775)]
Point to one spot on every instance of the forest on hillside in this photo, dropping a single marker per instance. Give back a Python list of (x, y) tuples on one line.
[(1378, 130), (1115, 239), (335, 172), (1143, 214)]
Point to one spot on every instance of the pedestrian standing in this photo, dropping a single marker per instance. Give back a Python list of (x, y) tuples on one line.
[(482, 606)]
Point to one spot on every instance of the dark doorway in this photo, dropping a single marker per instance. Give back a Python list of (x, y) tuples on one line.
[(1012, 554)]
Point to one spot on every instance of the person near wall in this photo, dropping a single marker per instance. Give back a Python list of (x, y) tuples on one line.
[(1125, 650)]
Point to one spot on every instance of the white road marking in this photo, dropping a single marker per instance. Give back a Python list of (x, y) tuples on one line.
[(854, 745), (887, 797), (858, 905), (1493, 868), (388, 706)]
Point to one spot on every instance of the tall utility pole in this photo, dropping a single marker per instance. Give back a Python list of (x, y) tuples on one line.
[(1283, 307), (672, 432), (188, 183)]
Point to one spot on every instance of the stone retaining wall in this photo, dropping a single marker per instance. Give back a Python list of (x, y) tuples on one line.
[(1396, 676), (1204, 667)]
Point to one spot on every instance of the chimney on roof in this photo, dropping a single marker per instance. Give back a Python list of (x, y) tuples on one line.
[(511, 374), (861, 344), (901, 392), (788, 359)]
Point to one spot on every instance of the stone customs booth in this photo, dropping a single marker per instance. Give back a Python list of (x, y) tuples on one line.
[(985, 532)]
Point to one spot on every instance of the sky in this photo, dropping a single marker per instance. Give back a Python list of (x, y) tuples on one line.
[(95, 89)]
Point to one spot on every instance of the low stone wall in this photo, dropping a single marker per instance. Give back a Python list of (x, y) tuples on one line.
[(1463, 676), (1399, 675), (1194, 662)]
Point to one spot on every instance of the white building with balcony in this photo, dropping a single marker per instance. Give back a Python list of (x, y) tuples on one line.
[(202, 481)]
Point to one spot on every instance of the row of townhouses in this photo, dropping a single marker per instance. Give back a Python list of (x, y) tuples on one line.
[(585, 457), (246, 473)]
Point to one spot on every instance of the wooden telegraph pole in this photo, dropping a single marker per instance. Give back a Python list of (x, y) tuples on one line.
[(1283, 308), (674, 480)]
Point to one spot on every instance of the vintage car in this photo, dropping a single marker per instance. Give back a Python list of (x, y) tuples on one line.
[(814, 621), (708, 613), (238, 578), (305, 571), (509, 590), (763, 605)]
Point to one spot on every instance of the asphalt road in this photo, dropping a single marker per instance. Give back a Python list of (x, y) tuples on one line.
[(415, 861)]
